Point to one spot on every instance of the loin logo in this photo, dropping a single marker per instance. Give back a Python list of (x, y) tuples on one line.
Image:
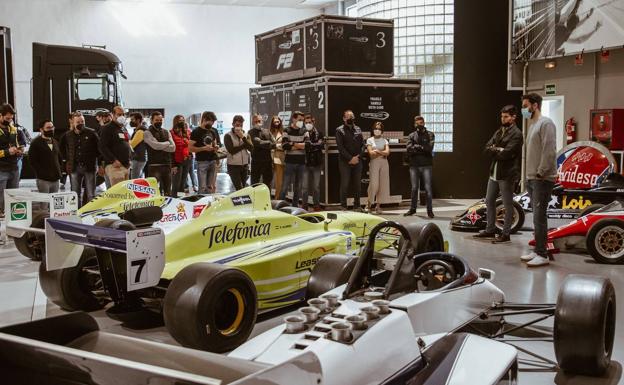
[(141, 188)]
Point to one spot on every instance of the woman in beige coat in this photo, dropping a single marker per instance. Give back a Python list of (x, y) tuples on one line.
[(379, 173), (277, 131)]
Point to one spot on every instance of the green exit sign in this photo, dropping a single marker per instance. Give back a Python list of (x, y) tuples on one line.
[(550, 89)]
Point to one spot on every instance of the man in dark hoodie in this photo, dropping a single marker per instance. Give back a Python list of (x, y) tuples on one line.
[(115, 147), (420, 151), (44, 156), (79, 147), (505, 149), (294, 143), (261, 159), (10, 151), (160, 146), (350, 143)]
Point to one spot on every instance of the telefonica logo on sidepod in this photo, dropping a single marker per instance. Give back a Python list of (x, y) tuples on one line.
[(141, 188)]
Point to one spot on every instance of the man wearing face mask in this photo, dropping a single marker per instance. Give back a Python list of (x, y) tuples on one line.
[(505, 149), (350, 142), (314, 162), (103, 117), (115, 147), (139, 148), (10, 151), (261, 159), (45, 158), (79, 149), (237, 145), (420, 151), (205, 142), (541, 173), (160, 146), (293, 143)]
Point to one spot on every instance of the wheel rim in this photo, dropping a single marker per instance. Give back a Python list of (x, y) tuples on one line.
[(230, 311), (500, 217), (609, 242)]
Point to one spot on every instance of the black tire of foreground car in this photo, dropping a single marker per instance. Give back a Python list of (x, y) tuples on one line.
[(426, 236), (605, 241), (590, 209), (32, 245), (74, 288), (583, 340), (210, 307), (329, 272), (518, 216)]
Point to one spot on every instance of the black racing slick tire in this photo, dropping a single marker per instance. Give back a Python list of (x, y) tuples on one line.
[(210, 307), (605, 241), (32, 245), (584, 326), (518, 216), (74, 288), (590, 209), (277, 204), (329, 272), (425, 237)]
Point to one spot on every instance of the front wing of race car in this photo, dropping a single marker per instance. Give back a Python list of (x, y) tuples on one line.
[(472, 219)]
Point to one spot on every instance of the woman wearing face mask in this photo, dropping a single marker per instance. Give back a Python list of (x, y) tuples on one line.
[(313, 164), (379, 173), (181, 157), (139, 149), (277, 132)]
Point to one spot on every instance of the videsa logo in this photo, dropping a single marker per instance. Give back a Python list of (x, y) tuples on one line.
[(141, 188), (583, 167), (18, 211)]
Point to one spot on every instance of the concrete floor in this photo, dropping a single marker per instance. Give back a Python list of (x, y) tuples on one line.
[(21, 299)]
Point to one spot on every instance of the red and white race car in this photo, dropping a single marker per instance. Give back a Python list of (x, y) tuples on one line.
[(600, 231)]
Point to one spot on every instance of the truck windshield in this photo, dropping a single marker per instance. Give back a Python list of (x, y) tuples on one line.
[(94, 87)]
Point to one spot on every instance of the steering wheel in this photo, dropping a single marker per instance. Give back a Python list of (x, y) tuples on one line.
[(434, 274)]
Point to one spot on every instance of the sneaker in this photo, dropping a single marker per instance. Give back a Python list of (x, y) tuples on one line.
[(484, 234), (501, 238), (538, 261), (409, 213), (528, 257)]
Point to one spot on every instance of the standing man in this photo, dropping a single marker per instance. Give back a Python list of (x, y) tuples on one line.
[(261, 159), (115, 147), (541, 172), (160, 146), (79, 148), (314, 162), (10, 151), (505, 149), (293, 143), (204, 142), (350, 143), (237, 145), (139, 148), (420, 150), (44, 155)]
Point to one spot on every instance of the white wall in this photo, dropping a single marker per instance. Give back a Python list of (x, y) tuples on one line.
[(183, 57)]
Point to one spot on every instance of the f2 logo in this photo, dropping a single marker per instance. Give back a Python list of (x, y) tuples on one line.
[(285, 60)]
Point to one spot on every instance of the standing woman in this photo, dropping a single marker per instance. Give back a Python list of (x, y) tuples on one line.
[(378, 150), (277, 131), (181, 158)]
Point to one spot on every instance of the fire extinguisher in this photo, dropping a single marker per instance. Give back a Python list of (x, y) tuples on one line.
[(570, 130)]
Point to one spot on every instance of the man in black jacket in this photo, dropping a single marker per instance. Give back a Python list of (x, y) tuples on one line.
[(261, 159), (44, 156), (79, 148), (293, 143), (205, 143), (505, 149), (115, 147), (420, 151), (10, 151), (314, 162), (160, 146), (350, 143)]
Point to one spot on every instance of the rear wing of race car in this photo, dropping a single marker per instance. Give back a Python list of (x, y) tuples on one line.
[(18, 206), (143, 250)]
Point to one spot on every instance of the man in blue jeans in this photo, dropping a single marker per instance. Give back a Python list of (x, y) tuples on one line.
[(205, 143), (10, 152), (294, 142), (314, 162), (420, 151), (541, 173)]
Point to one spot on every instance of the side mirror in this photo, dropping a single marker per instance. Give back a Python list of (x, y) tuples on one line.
[(332, 216), (487, 274)]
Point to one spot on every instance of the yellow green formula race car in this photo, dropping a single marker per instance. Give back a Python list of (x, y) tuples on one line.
[(210, 276)]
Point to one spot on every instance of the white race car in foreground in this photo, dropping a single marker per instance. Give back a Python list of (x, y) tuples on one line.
[(397, 321)]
